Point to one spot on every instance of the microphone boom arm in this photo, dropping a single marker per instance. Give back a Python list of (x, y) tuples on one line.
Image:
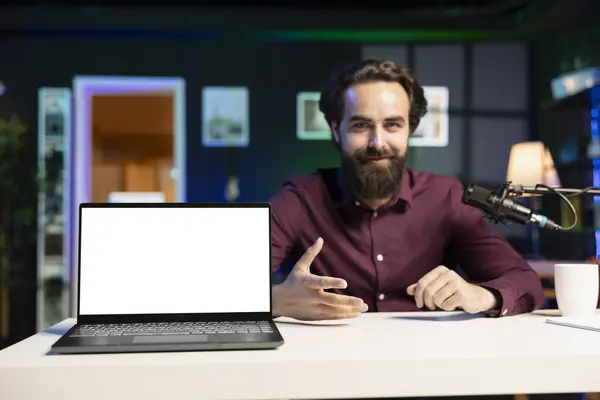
[(496, 200), (520, 190)]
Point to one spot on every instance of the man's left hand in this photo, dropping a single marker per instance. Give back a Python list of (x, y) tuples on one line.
[(445, 289)]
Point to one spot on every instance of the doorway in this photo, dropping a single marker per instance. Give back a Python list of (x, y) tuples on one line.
[(132, 145), (138, 149)]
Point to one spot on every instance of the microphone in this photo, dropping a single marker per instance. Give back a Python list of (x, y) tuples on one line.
[(498, 208)]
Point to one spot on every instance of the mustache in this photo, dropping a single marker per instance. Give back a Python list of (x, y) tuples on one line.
[(365, 155)]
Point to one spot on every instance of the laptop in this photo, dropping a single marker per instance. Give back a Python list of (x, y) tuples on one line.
[(173, 277)]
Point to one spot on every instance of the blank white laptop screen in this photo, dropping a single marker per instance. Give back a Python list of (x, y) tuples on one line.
[(174, 260)]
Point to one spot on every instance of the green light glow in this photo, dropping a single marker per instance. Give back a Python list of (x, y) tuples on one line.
[(364, 36)]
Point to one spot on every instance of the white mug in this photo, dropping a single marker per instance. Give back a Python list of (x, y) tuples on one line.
[(576, 287)]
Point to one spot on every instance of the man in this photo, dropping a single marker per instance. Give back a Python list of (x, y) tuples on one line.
[(376, 235)]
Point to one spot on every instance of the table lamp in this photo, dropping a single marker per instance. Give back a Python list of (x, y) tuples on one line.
[(530, 164)]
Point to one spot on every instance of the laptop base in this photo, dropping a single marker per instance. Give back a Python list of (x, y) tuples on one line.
[(166, 343)]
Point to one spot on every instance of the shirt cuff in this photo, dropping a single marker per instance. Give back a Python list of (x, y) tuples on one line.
[(505, 299)]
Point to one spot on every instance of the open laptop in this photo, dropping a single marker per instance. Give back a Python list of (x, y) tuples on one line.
[(173, 277)]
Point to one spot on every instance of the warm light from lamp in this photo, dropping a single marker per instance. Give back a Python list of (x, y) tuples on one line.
[(530, 164)]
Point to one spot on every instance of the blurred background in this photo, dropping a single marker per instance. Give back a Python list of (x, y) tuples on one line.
[(207, 104)]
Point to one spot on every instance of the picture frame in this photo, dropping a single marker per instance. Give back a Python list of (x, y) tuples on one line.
[(433, 130), (225, 116), (310, 121)]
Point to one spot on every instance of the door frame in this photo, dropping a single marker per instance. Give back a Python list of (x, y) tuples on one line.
[(78, 161)]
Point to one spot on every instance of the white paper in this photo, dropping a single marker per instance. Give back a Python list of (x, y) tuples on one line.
[(589, 323)]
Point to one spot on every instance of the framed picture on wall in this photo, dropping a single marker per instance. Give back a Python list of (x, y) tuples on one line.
[(225, 119), (310, 122), (433, 129)]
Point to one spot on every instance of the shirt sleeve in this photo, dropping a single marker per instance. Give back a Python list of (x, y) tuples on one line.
[(490, 261), (285, 211)]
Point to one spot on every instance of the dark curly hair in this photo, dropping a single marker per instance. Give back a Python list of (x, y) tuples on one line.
[(331, 102)]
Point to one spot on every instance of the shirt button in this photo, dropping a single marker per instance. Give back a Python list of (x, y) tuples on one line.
[(375, 214), (381, 296), (379, 257), (357, 204)]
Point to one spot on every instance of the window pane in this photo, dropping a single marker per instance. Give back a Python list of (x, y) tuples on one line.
[(500, 77)]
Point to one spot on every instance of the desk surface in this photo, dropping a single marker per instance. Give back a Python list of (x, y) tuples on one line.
[(376, 355)]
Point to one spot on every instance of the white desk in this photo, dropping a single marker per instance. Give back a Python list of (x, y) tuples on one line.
[(376, 355)]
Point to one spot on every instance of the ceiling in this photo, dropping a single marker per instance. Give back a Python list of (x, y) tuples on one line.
[(133, 114), (306, 14), (398, 4), (444, 6)]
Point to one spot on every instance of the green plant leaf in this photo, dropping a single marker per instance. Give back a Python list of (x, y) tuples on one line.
[(19, 186)]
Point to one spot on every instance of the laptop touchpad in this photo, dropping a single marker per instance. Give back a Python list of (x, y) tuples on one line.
[(158, 339)]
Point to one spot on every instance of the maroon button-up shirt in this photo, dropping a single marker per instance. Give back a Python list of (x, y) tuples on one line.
[(380, 253)]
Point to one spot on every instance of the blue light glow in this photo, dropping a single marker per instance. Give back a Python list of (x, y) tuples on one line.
[(595, 112)]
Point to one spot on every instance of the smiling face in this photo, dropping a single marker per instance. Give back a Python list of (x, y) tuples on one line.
[(372, 135)]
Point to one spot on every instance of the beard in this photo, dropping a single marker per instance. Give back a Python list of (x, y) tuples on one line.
[(372, 181)]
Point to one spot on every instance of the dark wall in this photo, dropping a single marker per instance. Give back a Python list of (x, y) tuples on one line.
[(565, 128), (239, 18), (489, 111), (274, 73), (555, 54)]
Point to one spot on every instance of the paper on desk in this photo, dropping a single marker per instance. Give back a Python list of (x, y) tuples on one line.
[(335, 322), (589, 323)]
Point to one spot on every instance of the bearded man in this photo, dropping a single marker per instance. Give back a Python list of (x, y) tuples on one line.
[(375, 235)]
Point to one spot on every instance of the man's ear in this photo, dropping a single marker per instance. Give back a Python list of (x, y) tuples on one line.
[(335, 132)]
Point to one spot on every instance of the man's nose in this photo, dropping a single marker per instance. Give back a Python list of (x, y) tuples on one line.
[(376, 139)]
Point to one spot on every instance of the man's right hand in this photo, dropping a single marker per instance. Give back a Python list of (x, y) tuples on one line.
[(302, 295)]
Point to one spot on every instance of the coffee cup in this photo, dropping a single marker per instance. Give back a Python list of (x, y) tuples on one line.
[(576, 287)]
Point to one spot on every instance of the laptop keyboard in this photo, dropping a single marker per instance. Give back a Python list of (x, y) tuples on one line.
[(173, 328)]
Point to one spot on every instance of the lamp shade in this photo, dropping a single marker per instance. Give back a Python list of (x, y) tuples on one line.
[(530, 164)]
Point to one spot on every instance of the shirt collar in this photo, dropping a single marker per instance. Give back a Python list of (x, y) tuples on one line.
[(403, 196)]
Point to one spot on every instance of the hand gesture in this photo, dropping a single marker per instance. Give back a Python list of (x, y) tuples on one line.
[(445, 289), (302, 295)]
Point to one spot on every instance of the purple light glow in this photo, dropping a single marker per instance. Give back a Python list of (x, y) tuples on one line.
[(81, 163)]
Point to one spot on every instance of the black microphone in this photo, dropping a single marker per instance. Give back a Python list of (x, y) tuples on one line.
[(498, 208)]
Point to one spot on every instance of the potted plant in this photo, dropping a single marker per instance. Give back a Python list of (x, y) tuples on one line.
[(19, 186)]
